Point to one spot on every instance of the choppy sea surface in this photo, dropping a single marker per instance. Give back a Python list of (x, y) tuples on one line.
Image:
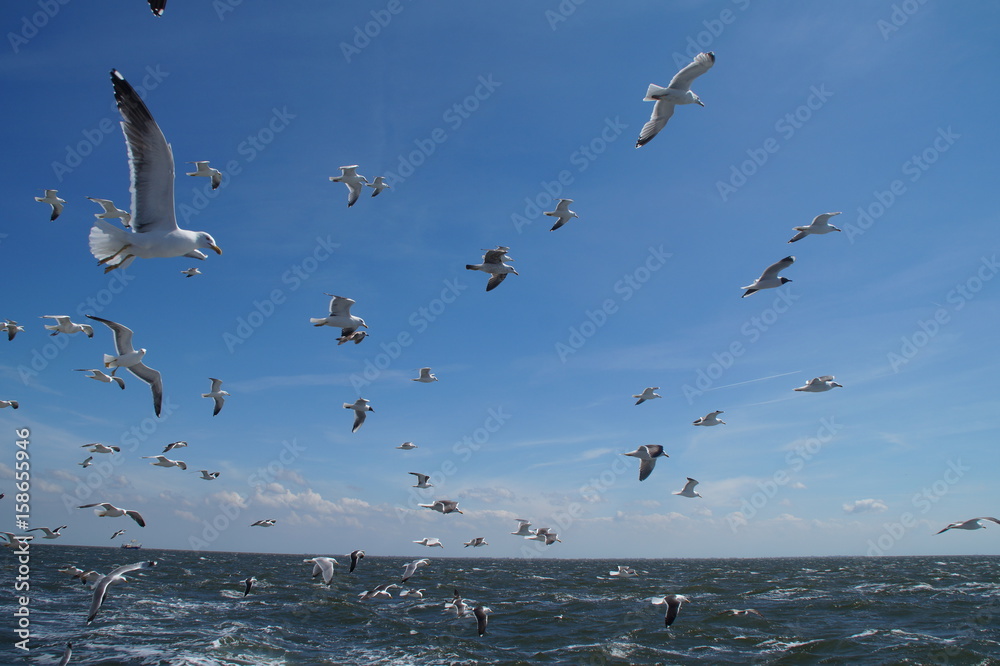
[(190, 609)]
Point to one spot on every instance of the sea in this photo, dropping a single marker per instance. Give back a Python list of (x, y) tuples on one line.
[(191, 609)]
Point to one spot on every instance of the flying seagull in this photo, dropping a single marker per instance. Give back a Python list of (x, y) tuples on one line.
[(101, 589), (678, 91), (360, 407), (264, 523), (49, 533), (430, 542), (324, 566), (67, 653), (421, 480), (208, 476), (340, 316), (163, 461), (86, 463), (673, 602), (112, 212), (378, 185), (118, 533), (819, 384), (151, 165), (624, 571), (112, 511), (356, 337), (769, 278), (190, 272), (54, 201), (426, 376), (174, 445), (411, 567), (202, 169), (356, 556), (971, 524), (132, 360), (688, 489), (100, 376), (13, 404), (523, 528), (476, 542), (444, 506), (12, 328), (97, 447), (710, 419), (406, 446), (647, 455), (64, 325), (819, 225), (647, 394), (216, 394), (249, 585), (562, 212), (480, 612), (493, 264), (349, 176)]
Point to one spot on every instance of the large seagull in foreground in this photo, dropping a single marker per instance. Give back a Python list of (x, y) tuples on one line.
[(678, 91), (151, 165)]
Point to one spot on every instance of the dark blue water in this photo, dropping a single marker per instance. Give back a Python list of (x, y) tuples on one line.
[(190, 609)]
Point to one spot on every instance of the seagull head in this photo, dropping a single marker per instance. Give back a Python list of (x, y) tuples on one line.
[(697, 100), (206, 240)]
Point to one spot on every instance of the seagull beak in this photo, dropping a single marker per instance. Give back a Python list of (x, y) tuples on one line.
[(217, 249), (699, 103)]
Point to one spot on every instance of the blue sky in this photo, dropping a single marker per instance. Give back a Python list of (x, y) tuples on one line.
[(479, 115)]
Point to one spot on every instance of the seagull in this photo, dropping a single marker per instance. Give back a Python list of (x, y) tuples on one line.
[(340, 316), (15, 542), (673, 602), (444, 506), (430, 542), (647, 394), (54, 201), (819, 384), (249, 585), (480, 612), (523, 528), (13, 404), (208, 476), (563, 212), (86, 463), (416, 594), (112, 212), (623, 572), (457, 604), (421, 480), (710, 419), (426, 376), (688, 489), (378, 185), (769, 278), (544, 534), (163, 461), (743, 611), (174, 445), (324, 566), (202, 169), (380, 592), (130, 358), (411, 567), (820, 225), (264, 523), (49, 533), (476, 542), (100, 376), (64, 325), (971, 524), (112, 511), (407, 446), (360, 407), (493, 264), (349, 176), (647, 454), (12, 328), (118, 533), (101, 589), (97, 447), (151, 166), (356, 337), (216, 394), (356, 556), (678, 91), (71, 570), (191, 272)]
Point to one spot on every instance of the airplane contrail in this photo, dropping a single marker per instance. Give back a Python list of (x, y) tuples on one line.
[(750, 381)]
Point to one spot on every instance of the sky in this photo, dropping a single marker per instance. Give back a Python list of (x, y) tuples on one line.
[(481, 116)]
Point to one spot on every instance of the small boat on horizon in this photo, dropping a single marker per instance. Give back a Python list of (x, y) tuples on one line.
[(132, 545)]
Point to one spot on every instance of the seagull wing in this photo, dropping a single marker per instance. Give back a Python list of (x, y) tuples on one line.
[(495, 280), (123, 335), (151, 377), (701, 64), (673, 607), (689, 486), (772, 271), (359, 418), (101, 589), (646, 468), (481, 619), (662, 111), (151, 162), (134, 515), (340, 306)]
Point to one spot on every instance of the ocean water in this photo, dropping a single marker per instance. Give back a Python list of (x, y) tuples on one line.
[(190, 609)]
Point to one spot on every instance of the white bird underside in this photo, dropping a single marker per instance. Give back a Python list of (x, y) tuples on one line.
[(769, 278), (677, 92), (130, 359)]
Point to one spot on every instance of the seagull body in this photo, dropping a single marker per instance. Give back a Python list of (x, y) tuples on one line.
[(380, 592), (12, 328), (356, 556), (132, 360), (151, 166), (647, 455), (769, 278), (13, 404), (378, 185), (118, 533), (101, 589), (421, 480), (444, 506), (819, 384), (416, 594), (360, 407), (202, 169), (356, 337), (407, 446), (216, 394), (971, 524), (544, 534), (249, 581), (15, 542), (86, 463), (493, 264), (623, 572), (476, 542), (174, 445), (673, 602), (208, 476), (340, 316), (678, 91), (710, 419), (191, 272), (64, 325), (647, 394), (112, 212), (111, 511), (100, 376), (49, 533), (688, 489), (523, 528), (457, 604), (324, 566), (264, 523), (430, 542), (163, 461), (411, 567), (349, 176), (97, 447), (426, 376), (562, 212), (54, 201), (819, 225)]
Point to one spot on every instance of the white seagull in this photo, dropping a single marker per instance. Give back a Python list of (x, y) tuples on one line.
[(64, 325), (12, 328), (493, 264), (15, 542), (444, 506), (688, 489), (49, 533), (678, 91), (118, 533), (191, 272), (54, 201), (710, 419), (13, 404), (349, 176), (356, 556), (647, 455), (216, 394), (523, 528), (202, 169), (151, 164), (208, 476), (378, 185), (87, 462), (623, 572), (430, 542), (360, 407), (324, 566), (163, 461), (411, 567), (356, 337), (971, 524), (97, 447), (112, 212), (379, 592), (819, 384), (340, 316), (769, 278), (426, 376), (111, 511), (480, 611), (100, 376), (673, 602), (264, 523), (416, 594), (476, 542), (819, 225), (101, 589), (421, 480), (174, 445), (562, 212), (132, 360), (647, 394), (407, 446)]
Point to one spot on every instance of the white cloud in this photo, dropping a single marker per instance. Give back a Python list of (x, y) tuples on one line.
[(866, 506)]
